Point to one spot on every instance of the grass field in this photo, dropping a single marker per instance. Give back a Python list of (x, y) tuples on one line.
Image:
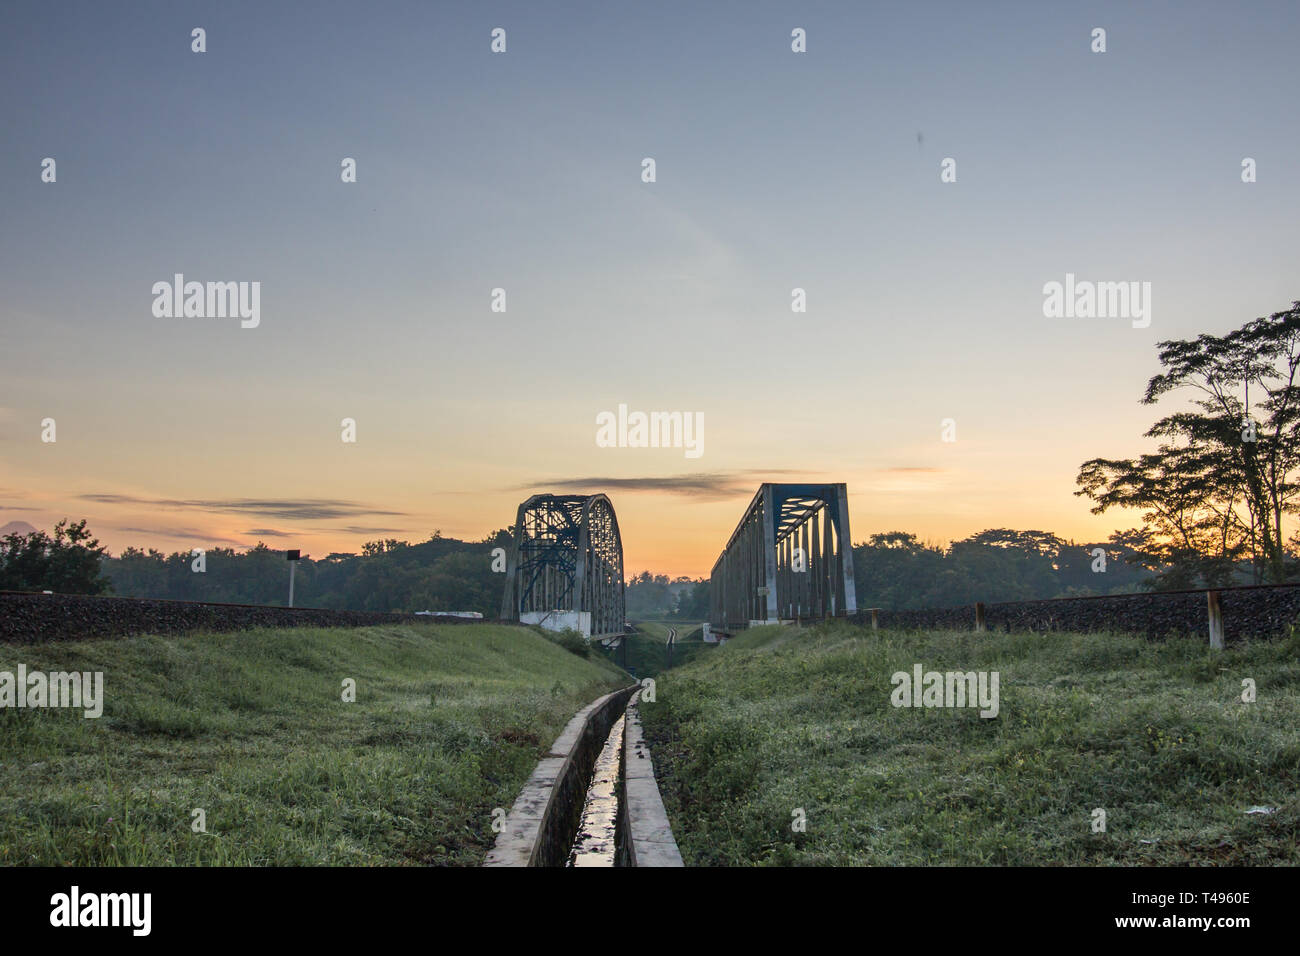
[(1155, 734), (251, 728)]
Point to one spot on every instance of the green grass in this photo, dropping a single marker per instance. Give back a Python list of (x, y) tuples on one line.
[(1156, 734), (448, 723)]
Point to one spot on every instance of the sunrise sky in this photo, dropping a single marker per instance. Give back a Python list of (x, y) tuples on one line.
[(522, 171)]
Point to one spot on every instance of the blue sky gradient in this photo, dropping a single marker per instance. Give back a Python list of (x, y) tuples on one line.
[(775, 170)]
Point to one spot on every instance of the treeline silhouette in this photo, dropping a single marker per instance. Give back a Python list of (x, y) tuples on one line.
[(893, 570), (444, 574), (897, 571)]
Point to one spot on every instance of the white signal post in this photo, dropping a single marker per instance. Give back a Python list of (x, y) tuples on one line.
[(293, 557)]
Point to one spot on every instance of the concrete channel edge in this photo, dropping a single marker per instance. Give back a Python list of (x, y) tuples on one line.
[(649, 836), (540, 826)]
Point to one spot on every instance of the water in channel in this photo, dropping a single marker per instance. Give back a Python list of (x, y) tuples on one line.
[(597, 841)]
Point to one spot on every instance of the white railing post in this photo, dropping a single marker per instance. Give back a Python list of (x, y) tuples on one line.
[(1216, 619)]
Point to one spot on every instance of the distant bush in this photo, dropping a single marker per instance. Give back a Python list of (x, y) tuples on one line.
[(570, 640)]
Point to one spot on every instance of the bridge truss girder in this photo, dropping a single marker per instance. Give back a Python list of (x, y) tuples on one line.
[(566, 555), (790, 558)]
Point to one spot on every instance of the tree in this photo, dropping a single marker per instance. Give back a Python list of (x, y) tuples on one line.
[(1014, 565), (648, 595), (68, 563), (894, 570), (693, 604), (1192, 531), (1223, 476)]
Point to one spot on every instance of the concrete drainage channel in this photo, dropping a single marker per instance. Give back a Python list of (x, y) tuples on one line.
[(592, 799)]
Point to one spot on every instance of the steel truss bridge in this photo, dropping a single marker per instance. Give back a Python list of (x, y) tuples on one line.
[(565, 566), (790, 558)]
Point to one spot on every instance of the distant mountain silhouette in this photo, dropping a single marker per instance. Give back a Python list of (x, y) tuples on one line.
[(16, 527)]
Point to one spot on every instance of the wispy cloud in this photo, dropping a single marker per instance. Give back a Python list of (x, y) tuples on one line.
[(709, 485), (290, 509), (184, 534)]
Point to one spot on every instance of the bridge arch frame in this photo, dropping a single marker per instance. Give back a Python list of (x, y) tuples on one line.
[(565, 565)]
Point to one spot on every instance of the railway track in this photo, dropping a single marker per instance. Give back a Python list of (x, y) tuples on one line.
[(31, 617), (1246, 610)]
